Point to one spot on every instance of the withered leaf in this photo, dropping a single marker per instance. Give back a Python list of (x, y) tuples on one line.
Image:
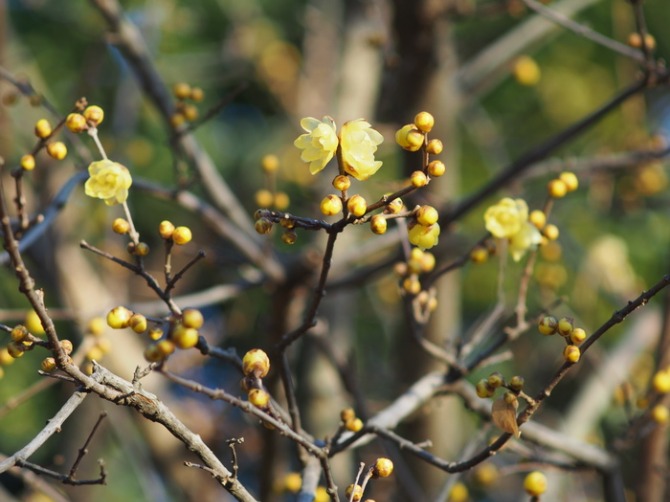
[(504, 416)]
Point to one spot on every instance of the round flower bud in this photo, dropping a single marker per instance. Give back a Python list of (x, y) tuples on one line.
[(292, 482), (94, 354), (281, 201), (264, 198), (486, 474), (76, 122), (48, 364), (551, 232), (535, 483), (479, 254), (190, 113), (181, 90), (96, 326), (289, 237), (661, 382), (547, 325), (192, 318), (177, 119), (635, 40), (483, 389), (120, 226), (424, 121), (571, 353), (119, 317), (57, 150), (166, 229), (142, 249), (354, 492), (67, 347), (256, 362), (414, 140), (434, 147), (459, 493), (427, 262), (427, 215), (660, 414), (577, 336), (138, 323), (19, 333), (165, 348), (263, 226), (341, 182), (331, 205), (182, 235), (538, 218), (383, 468), (402, 137), (394, 206), (526, 71), (197, 94), (259, 398), (436, 168), (5, 357), (34, 323), (516, 383), (270, 163), (411, 285), (495, 380), (27, 162), (347, 414), (94, 115), (152, 354), (565, 326), (183, 337), (42, 129), (570, 179), (357, 205), (557, 188), (354, 425), (378, 224), (16, 350), (155, 333), (418, 179)]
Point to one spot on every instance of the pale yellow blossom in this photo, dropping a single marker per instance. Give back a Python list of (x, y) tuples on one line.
[(319, 143), (424, 237), (506, 218), (528, 237), (108, 181), (359, 142)]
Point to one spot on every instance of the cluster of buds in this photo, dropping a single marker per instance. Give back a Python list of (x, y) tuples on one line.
[(423, 228), (565, 327), (504, 408), (271, 198), (382, 468), (349, 421), (419, 262), (175, 235), (256, 366), (660, 384), (486, 387), (292, 483), (185, 110), (559, 187), (98, 347)]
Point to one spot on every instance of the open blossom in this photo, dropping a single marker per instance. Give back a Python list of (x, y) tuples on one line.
[(359, 143), (319, 143), (424, 237), (508, 219), (108, 181)]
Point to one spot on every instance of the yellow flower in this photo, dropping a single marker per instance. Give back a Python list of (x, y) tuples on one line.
[(319, 144), (506, 218), (359, 143), (108, 181), (424, 237), (526, 238)]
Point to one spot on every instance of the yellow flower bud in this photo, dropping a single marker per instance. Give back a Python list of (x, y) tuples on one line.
[(289, 237), (424, 121), (181, 90), (548, 325), (495, 380), (551, 232), (76, 122), (263, 226), (436, 168), (459, 493), (34, 323), (120, 226), (166, 229), (96, 326), (418, 179), (119, 317), (94, 115), (48, 364), (192, 318), (341, 182), (259, 398), (661, 382), (394, 206), (424, 237), (479, 254), (281, 201), (571, 353), (526, 71), (165, 348), (57, 150), (354, 492), (383, 468), (357, 205), (331, 205), (142, 249), (516, 383), (43, 129), (538, 218), (570, 179), (378, 224), (434, 147), (190, 113), (270, 163), (138, 323), (565, 326), (15, 349), (403, 139), (660, 414), (263, 198), (197, 94), (19, 333), (155, 333), (67, 347), (183, 337), (535, 483), (427, 215), (347, 414), (557, 188), (182, 235), (354, 425), (577, 336), (27, 162), (256, 362)]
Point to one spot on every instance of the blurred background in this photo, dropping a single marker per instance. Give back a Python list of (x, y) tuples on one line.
[(500, 81)]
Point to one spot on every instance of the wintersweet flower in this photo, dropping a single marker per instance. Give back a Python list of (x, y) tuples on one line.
[(424, 237), (506, 218), (319, 143), (108, 181), (359, 142)]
